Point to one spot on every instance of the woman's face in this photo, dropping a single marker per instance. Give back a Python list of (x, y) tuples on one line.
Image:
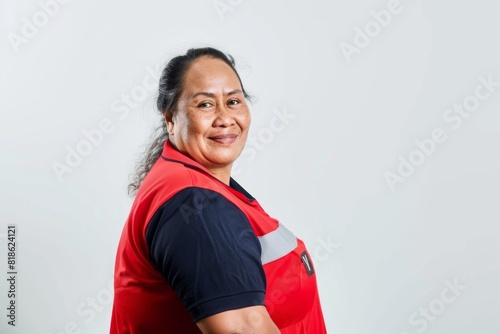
[(212, 118)]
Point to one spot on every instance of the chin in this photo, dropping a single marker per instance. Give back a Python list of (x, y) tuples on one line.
[(226, 154), (224, 162), (223, 159)]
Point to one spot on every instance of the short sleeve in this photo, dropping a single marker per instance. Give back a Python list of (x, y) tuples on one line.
[(206, 249)]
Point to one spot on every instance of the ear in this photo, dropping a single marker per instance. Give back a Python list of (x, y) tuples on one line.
[(169, 121)]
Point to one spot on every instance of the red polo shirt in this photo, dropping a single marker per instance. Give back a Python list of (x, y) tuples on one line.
[(193, 246)]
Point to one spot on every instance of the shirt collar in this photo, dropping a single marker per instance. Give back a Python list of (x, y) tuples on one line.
[(171, 154)]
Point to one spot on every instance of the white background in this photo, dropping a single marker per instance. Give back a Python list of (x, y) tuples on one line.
[(383, 256)]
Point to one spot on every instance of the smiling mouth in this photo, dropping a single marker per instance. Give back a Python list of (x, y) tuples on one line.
[(224, 139)]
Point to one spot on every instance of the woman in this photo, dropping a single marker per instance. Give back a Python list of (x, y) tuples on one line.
[(198, 254)]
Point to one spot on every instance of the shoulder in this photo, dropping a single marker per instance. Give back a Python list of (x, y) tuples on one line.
[(165, 173), (199, 205)]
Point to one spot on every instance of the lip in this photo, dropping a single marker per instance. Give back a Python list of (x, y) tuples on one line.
[(227, 138)]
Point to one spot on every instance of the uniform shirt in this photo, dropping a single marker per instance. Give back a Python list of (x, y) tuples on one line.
[(193, 247)]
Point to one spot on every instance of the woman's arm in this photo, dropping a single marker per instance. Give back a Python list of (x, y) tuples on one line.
[(248, 320)]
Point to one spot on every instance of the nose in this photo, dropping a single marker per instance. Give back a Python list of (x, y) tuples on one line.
[(223, 117)]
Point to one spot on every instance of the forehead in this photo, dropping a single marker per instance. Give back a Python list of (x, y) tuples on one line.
[(210, 74)]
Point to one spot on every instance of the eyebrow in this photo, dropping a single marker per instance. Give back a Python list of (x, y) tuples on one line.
[(236, 91)]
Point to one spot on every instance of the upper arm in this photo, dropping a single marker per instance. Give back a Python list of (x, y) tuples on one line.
[(208, 253), (249, 320)]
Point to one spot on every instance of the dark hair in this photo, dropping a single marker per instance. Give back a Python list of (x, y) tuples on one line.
[(169, 91)]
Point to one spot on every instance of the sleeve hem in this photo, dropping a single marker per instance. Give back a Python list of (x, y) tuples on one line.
[(226, 303)]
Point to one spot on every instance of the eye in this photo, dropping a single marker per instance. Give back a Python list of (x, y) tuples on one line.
[(233, 102), (205, 105)]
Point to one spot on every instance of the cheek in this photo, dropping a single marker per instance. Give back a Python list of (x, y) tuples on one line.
[(200, 125), (191, 126), (244, 121)]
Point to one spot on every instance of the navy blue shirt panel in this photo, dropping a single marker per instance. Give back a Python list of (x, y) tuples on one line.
[(236, 186), (207, 251)]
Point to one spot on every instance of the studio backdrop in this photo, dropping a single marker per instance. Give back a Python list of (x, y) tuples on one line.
[(375, 139)]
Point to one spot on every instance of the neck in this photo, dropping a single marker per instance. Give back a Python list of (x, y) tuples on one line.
[(223, 174)]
